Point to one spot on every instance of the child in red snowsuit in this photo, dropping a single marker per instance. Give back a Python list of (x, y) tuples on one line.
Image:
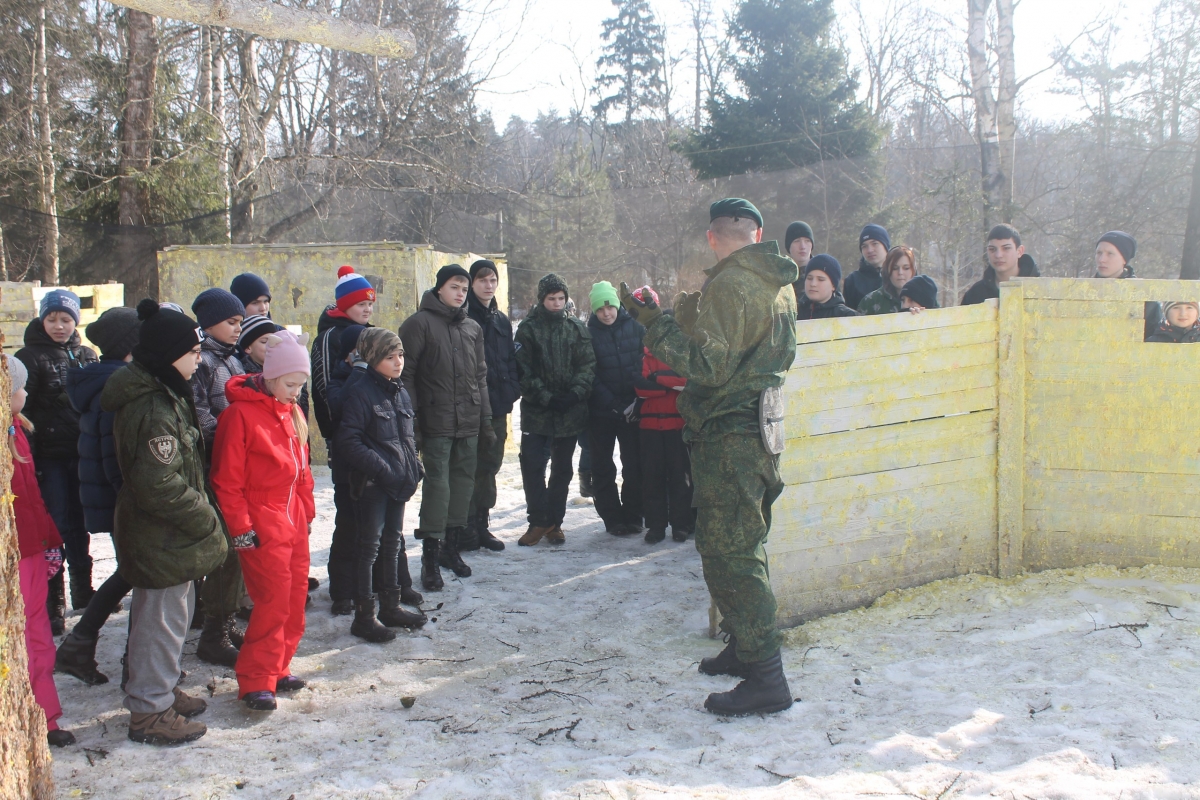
[(264, 487), (36, 535), (666, 467)]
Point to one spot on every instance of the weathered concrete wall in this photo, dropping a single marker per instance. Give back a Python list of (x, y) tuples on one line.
[(302, 279), (890, 460), (1110, 464)]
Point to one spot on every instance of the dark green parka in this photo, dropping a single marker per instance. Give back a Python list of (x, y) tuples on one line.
[(743, 341), (554, 356), (166, 527)]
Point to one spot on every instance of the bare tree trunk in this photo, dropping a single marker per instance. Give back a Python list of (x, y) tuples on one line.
[(276, 21), (698, 23), (251, 149), (3, 257), (1190, 269), (49, 197), (986, 123), (217, 40), (134, 250), (1006, 94), (204, 77)]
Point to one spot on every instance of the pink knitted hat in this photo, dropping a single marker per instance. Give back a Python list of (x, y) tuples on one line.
[(285, 354)]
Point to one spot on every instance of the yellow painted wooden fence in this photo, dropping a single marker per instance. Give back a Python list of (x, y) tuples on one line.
[(1045, 435)]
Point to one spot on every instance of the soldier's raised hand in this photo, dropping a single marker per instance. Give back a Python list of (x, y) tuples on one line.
[(687, 310), (645, 310)]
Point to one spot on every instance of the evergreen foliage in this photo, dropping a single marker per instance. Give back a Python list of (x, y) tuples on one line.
[(633, 60)]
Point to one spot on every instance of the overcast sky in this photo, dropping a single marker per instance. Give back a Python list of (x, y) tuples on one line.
[(541, 54)]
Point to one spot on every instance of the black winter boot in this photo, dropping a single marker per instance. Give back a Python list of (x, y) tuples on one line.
[(393, 616), (76, 657), (408, 595), (236, 635), (764, 691), (449, 557), (56, 604), (81, 586), (431, 573), (342, 608), (585, 483), (486, 538), (365, 625), (725, 663), (468, 540), (215, 647)]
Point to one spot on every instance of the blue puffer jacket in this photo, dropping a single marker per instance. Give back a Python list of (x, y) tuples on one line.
[(618, 349), (99, 473)]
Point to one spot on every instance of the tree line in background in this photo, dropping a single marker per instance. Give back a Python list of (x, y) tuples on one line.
[(121, 133)]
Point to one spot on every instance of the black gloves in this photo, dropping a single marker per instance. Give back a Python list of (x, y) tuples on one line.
[(561, 403)]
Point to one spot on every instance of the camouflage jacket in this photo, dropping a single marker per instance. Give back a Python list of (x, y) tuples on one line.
[(554, 356), (743, 342)]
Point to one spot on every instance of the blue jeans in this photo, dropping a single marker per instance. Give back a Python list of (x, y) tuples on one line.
[(59, 482), (379, 528)]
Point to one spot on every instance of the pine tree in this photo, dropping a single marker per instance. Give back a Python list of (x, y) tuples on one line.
[(633, 59), (797, 104)]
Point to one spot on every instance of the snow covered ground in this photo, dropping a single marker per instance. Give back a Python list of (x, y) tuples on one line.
[(571, 672)]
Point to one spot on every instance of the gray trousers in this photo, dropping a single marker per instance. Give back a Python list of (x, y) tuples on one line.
[(158, 625)]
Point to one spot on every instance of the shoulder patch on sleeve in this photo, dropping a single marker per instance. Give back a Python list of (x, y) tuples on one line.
[(164, 448)]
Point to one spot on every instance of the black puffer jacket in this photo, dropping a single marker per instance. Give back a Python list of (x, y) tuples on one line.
[(860, 283), (374, 440), (618, 349), (988, 287), (833, 307), (329, 328), (99, 472), (55, 421), (504, 385)]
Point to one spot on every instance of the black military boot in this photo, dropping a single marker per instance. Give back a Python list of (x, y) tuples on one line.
[(764, 691), (449, 557), (365, 625), (431, 573), (76, 657), (81, 586), (237, 636), (215, 647), (393, 616), (468, 540), (486, 538), (725, 663), (56, 604), (585, 483)]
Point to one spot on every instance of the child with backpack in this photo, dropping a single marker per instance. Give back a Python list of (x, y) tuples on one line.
[(264, 487), (37, 539)]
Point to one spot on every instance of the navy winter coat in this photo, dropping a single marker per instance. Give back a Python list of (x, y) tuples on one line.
[(374, 441), (56, 423), (99, 473), (835, 306), (618, 349), (860, 283), (504, 385)]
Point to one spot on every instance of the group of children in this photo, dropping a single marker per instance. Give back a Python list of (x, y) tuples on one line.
[(888, 278), (186, 439)]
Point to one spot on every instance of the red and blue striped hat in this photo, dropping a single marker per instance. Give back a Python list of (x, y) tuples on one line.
[(352, 288)]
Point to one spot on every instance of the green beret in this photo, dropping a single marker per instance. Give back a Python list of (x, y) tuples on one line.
[(734, 207)]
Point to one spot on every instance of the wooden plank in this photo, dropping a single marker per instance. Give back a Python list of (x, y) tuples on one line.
[(921, 518), (890, 447), (1084, 309), (1059, 539), (1098, 289), (806, 398), (1049, 332), (1099, 414), (1148, 355), (892, 344), (1112, 492), (1010, 463), (1063, 447), (917, 408), (859, 487), (824, 330), (1173, 366), (893, 368)]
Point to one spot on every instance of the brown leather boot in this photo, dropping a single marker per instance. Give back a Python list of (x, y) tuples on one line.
[(534, 535), (164, 728), (555, 535), (187, 706)]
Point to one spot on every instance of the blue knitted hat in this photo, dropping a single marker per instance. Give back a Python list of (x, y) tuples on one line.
[(827, 264)]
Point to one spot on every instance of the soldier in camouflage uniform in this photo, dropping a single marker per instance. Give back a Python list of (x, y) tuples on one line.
[(731, 342)]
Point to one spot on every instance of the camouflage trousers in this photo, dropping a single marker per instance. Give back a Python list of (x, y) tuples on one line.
[(736, 480)]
